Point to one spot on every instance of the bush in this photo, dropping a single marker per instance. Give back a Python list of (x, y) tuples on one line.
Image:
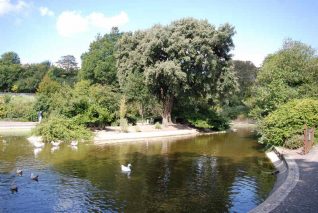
[(157, 125), (18, 108), (89, 105), (207, 120), (199, 114), (294, 142), (288, 120), (60, 128)]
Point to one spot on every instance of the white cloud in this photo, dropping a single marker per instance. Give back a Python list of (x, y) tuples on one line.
[(7, 7), (70, 23), (44, 11)]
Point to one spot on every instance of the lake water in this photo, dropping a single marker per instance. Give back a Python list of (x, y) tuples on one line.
[(215, 173)]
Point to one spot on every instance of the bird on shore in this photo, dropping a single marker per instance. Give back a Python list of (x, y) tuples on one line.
[(34, 177), (14, 187), (19, 172), (126, 168)]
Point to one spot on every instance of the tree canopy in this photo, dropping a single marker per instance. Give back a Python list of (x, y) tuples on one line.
[(188, 57), (99, 63), (246, 73), (290, 73), (68, 63), (10, 58)]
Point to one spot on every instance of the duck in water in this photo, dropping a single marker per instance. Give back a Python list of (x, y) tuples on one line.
[(14, 187), (34, 177), (19, 172)]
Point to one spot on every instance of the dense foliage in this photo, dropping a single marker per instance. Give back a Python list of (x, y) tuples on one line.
[(189, 57), (199, 113), (91, 105), (292, 72), (25, 78), (99, 63), (60, 128), (287, 122), (19, 108)]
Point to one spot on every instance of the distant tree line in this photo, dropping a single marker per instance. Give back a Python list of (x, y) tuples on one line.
[(17, 77)]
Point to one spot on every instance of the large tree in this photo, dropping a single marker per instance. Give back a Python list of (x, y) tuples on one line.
[(188, 57), (10, 58), (99, 63), (68, 63)]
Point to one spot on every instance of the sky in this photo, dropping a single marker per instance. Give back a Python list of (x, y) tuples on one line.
[(40, 30)]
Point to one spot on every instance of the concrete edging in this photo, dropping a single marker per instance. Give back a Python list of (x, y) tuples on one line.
[(285, 186)]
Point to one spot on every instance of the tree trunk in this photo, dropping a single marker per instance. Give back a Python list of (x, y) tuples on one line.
[(167, 108)]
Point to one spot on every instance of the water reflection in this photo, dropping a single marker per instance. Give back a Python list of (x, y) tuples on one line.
[(36, 152), (218, 173)]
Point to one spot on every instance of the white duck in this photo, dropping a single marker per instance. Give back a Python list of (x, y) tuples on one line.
[(36, 141), (74, 143), (38, 144), (55, 143), (126, 168)]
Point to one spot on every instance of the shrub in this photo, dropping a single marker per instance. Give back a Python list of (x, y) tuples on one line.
[(17, 108), (294, 142), (199, 113), (288, 120), (207, 120), (7, 99), (157, 125), (61, 128)]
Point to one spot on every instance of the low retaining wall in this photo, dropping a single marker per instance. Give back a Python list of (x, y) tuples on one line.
[(287, 179)]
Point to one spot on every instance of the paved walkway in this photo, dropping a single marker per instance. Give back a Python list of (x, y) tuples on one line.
[(304, 197), (16, 125)]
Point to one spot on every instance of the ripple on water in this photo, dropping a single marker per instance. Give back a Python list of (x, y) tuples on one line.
[(202, 173)]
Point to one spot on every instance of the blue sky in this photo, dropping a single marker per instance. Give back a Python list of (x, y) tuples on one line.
[(48, 29)]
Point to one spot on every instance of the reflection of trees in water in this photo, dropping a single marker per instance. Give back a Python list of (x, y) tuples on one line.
[(188, 175)]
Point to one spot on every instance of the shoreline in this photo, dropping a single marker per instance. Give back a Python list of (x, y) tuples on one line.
[(286, 181), (135, 133)]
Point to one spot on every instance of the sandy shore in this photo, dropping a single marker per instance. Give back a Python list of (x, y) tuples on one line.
[(142, 132), (135, 133)]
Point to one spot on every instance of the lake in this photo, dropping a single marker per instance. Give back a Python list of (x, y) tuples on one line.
[(213, 173)]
